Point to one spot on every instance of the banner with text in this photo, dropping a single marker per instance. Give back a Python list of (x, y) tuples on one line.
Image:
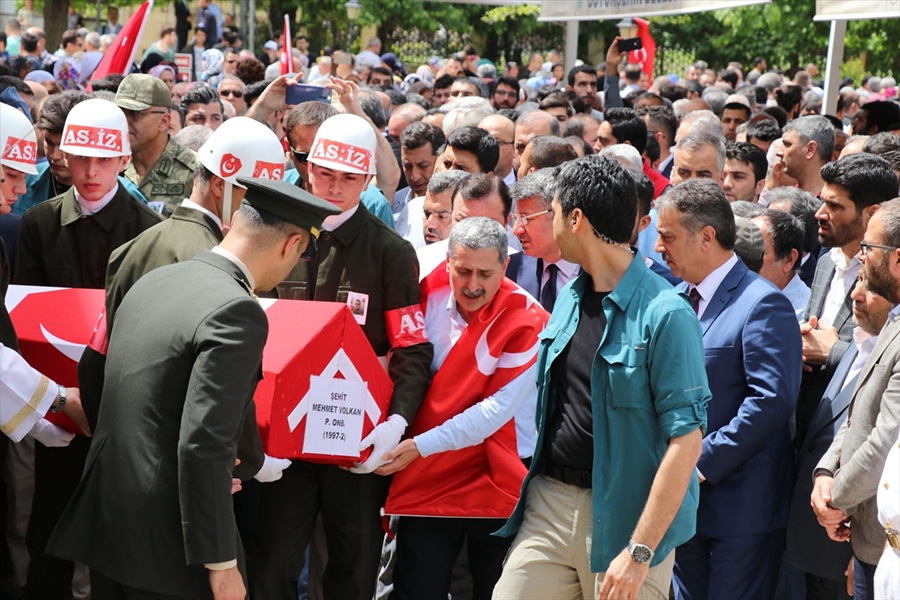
[(592, 10), (850, 10)]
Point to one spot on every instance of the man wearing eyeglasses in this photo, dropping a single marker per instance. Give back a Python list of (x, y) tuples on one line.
[(854, 187), (161, 168), (232, 89), (506, 93), (539, 268), (847, 477)]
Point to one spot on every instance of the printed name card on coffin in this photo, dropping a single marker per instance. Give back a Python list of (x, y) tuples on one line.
[(323, 388), (54, 326)]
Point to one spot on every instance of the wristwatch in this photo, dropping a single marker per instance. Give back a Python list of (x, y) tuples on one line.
[(640, 553), (61, 403)]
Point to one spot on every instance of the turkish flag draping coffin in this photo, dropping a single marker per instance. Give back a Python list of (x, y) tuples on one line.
[(53, 326), (322, 378)]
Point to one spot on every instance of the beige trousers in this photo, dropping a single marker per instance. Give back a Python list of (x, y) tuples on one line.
[(550, 557)]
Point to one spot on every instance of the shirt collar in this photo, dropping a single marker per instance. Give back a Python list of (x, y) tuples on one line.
[(223, 252), (187, 203), (89, 207), (569, 269), (894, 312), (840, 260), (334, 221), (711, 282)]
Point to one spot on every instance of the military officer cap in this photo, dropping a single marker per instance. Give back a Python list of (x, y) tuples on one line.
[(287, 201), (140, 92)]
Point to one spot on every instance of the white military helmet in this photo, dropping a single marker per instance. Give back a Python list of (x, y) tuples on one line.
[(96, 127), (243, 147), (18, 142), (345, 143)]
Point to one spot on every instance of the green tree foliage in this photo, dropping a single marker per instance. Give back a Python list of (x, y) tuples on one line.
[(782, 31)]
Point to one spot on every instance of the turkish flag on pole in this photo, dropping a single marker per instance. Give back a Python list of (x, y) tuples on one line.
[(646, 56), (119, 56), (287, 60)]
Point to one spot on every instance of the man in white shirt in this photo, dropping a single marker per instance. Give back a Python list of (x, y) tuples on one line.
[(783, 235), (419, 147), (462, 462)]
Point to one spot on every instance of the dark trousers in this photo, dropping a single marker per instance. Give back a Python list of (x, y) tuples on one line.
[(104, 588), (863, 580), (350, 506), (57, 472), (819, 588), (732, 567), (427, 548)]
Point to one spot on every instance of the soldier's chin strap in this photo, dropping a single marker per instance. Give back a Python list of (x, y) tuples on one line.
[(226, 204)]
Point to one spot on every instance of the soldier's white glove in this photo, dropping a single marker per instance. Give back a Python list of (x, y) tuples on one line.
[(272, 469), (50, 435), (383, 439)]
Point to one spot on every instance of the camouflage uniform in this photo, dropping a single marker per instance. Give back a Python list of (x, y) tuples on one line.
[(169, 181)]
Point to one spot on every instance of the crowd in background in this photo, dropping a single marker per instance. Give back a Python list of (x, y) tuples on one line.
[(459, 137)]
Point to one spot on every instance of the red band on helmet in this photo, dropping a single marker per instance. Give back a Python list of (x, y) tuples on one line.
[(96, 138), (406, 326), (20, 150), (345, 154), (268, 170)]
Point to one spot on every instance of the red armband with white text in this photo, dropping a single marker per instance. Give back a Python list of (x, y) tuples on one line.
[(406, 326)]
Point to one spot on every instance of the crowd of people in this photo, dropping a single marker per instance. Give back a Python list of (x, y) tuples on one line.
[(643, 333)]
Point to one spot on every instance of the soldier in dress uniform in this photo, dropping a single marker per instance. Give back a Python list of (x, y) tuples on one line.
[(152, 516), (242, 147), (66, 241), (161, 169)]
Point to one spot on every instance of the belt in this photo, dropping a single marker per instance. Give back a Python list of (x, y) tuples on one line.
[(577, 477)]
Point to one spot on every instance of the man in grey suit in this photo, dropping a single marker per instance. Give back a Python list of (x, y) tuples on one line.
[(846, 478), (152, 516), (854, 187), (821, 573)]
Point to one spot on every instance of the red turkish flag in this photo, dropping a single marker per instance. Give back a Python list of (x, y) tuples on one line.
[(119, 56), (287, 60), (499, 344), (53, 326), (646, 56)]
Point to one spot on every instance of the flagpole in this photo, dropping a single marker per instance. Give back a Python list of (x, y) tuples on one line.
[(140, 34)]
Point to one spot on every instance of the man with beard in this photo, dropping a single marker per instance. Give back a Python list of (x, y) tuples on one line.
[(854, 186), (844, 495), (745, 172), (808, 146)]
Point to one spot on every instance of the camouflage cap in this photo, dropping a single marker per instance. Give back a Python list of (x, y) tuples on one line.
[(140, 92)]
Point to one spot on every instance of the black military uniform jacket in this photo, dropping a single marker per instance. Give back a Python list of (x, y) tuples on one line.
[(59, 245), (365, 256)]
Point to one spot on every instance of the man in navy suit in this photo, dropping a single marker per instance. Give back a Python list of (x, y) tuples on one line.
[(539, 268), (752, 347), (820, 560)]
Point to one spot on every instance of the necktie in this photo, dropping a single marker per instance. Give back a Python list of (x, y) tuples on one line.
[(695, 300), (548, 292)]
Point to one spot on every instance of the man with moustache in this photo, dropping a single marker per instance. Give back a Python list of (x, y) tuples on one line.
[(847, 476), (822, 573), (419, 146), (853, 190)]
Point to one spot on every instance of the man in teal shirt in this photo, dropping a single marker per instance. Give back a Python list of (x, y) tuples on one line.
[(622, 394)]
